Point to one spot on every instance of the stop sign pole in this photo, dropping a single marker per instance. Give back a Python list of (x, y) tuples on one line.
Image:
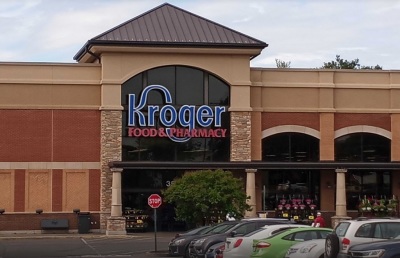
[(154, 202)]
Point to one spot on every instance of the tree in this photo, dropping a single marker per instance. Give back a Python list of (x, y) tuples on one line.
[(340, 63), (202, 196), (282, 64)]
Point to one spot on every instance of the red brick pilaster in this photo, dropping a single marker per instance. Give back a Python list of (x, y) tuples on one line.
[(19, 190), (94, 189), (57, 189)]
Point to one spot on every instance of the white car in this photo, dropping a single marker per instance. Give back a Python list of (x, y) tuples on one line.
[(239, 247), (309, 249)]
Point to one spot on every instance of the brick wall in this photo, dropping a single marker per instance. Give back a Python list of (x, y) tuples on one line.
[(379, 120), (270, 120), (31, 221), (50, 135)]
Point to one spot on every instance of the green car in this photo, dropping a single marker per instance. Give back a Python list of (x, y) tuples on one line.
[(277, 245)]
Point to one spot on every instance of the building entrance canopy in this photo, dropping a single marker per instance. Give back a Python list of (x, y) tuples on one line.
[(257, 165)]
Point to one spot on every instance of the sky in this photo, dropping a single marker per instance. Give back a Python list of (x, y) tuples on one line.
[(305, 33)]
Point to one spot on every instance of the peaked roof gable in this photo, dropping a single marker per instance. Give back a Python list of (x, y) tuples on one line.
[(168, 25)]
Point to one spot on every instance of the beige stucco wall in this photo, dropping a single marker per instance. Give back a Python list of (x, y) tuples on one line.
[(48, 86), (312, 90), (234, 69)]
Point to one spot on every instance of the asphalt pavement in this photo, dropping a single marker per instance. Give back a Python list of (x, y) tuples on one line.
[(140, 245)]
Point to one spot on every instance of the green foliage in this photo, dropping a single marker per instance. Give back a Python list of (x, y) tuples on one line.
[(340, 63), (282, 64), (202, 196)]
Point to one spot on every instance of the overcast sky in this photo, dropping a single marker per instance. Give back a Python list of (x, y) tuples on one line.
[(306, 33)]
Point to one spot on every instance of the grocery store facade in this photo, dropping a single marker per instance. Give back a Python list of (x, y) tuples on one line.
[(148, 101)]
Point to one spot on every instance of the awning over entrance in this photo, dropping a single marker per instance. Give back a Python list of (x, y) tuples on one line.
[(257, 165)]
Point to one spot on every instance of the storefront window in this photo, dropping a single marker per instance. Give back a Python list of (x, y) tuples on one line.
[(188, 86), (290, 147), (286, 186), (364, 147), (373, 185), (291, 186)]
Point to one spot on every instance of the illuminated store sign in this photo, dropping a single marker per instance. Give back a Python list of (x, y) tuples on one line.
[(186, 117)]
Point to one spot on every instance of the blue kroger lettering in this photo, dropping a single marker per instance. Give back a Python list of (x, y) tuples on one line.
[(186, 116)]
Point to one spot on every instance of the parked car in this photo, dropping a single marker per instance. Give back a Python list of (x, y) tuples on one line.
[(199, 247), (381, 249), (309, 249), (215, 251), (277, 245), (362, 230), (179, 245), (239, 247), (194, 231)]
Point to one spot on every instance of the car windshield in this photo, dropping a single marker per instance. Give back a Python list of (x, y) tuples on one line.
[(220, 228), (198, 230), (341, 229)]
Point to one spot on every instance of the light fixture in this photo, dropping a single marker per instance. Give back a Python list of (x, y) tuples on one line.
[(2, 211), (39, 211), (76, 211)]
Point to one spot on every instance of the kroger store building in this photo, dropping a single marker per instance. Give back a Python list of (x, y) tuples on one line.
[(169, 92)]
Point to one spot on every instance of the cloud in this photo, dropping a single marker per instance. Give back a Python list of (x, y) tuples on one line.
[(306, 32)]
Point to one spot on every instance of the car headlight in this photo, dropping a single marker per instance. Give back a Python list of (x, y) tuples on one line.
[(179, 241), (200, 241), (308, 248), (370, 253)]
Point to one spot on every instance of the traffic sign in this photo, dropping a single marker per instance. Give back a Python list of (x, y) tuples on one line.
[(154, 201)]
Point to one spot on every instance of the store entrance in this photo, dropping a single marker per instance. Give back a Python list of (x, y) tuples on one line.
[(137, 186)]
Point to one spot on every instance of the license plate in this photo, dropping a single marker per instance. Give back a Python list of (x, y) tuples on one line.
[(285, 215), (310, 217), (139, 221)]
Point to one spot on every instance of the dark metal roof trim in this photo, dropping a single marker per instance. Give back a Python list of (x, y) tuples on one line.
[(171, 26), (256, 165)]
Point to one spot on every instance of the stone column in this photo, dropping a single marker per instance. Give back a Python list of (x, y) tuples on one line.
[(116, 223), (116, 201), (111, 150), (240, 136), (341, 211), (251, 191)]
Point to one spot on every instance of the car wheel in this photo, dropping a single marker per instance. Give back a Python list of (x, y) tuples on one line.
[(331, 246)]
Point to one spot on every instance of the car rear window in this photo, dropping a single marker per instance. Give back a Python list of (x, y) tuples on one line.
[(341, 229)]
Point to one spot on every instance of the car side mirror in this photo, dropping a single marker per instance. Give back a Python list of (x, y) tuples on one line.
[(233, 233)]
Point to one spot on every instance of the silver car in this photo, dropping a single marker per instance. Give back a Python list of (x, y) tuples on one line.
[(363, 230)]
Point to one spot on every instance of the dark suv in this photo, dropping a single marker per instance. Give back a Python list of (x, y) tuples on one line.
[(198, 248)]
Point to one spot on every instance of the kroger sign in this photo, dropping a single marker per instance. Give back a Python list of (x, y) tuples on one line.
[(187, 117)]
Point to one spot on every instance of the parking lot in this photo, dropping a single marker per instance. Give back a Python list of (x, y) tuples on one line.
[(87, 245)]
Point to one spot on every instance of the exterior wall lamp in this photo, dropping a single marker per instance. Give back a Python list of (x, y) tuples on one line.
[(2, 211), (39, 211), (76, 211)]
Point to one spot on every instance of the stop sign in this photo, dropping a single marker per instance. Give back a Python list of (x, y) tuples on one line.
[(154, 201)]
